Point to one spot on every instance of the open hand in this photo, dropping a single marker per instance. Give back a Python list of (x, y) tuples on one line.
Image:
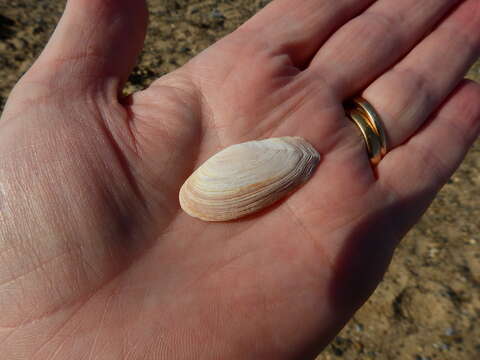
[(97, 259)]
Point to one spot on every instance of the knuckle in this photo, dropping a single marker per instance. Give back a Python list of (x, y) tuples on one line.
[(382, 28)]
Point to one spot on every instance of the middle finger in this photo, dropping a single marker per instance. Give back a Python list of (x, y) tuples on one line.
[(408, 93), (369, 44)]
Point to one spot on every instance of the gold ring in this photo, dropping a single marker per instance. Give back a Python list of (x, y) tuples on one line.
[(374, 118), (372, 139)]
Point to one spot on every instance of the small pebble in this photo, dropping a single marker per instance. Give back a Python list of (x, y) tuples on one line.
[(217, 14), (359, 327), (449, 331), (420, 357)]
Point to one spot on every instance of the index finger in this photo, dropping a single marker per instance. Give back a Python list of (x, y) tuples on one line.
[(299, 28)]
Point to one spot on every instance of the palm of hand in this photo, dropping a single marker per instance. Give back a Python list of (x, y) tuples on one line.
[(256, 265), (121, 265)]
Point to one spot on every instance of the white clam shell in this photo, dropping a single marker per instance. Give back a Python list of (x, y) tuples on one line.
[(245, 178)]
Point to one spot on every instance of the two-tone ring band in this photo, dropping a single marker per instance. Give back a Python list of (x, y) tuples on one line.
[(362, 113)]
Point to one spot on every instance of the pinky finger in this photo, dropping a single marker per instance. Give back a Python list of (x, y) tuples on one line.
[(421, 166)]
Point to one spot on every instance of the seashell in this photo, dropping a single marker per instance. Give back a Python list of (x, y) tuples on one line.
[(245, 178)]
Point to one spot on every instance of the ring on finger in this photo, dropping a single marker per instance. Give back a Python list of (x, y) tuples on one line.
[(363, 114)]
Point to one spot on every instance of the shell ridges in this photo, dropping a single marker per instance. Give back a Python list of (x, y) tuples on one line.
[(247, 177)]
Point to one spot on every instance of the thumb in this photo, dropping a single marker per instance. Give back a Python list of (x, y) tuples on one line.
[(95, 40)]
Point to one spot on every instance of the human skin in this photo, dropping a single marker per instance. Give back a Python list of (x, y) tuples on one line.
[(98, 261)]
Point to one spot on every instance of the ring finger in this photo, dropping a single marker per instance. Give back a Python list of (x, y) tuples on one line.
[(368, 45), (407, 94)]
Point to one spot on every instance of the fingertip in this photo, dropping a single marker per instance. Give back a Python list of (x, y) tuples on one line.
[(96, 39)]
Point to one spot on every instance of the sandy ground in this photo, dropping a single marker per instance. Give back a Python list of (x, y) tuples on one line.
[(428, 306)]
